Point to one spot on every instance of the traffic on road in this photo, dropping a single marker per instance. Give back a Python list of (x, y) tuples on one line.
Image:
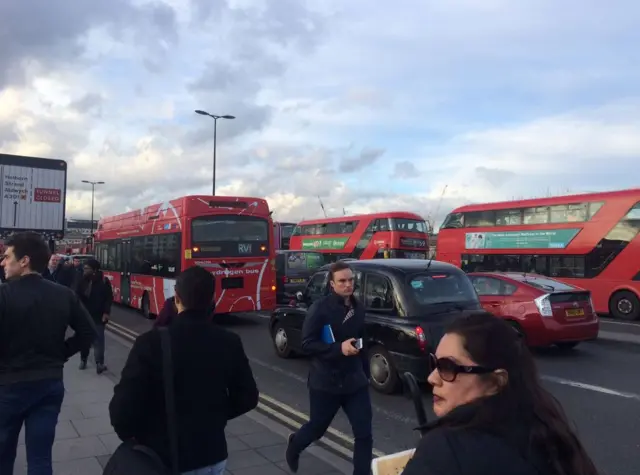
[(595, 383)]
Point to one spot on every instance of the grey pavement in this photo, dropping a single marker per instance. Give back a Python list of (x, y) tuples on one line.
[(85, 439)]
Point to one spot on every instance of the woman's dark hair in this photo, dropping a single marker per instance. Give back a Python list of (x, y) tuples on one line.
[(494, 343)]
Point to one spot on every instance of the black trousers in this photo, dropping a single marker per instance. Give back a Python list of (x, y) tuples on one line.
[(324, 407)]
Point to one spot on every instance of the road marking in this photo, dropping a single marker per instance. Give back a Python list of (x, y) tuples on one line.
[(591, 387), (389, 414), (624, 324), (131, 335)]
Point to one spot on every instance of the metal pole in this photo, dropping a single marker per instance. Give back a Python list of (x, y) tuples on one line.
[(215, 132), (93, 191)]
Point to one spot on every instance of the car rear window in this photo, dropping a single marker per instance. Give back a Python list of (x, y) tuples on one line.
[(542, 283), (440, 287), (309, 261)]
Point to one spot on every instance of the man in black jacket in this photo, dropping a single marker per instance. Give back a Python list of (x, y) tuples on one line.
[(34, 316), (339, 373), (213, 382), (95, 292)]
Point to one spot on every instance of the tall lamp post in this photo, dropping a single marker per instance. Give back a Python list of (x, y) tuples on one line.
[(215, 129), (93, 192)]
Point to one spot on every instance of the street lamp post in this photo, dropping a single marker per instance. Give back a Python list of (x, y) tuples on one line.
[(215, 130), (93, 192)]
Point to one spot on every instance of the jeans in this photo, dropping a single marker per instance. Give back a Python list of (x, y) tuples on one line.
[(217, 469), (323, 408), (98, 346), (36, 404)]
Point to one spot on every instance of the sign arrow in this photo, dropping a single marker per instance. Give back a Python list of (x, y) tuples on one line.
[(15, 213)]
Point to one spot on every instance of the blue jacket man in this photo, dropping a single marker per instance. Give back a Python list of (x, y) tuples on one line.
[(339, 372)]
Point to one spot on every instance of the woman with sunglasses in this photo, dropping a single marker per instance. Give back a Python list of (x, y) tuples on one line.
[(495, 418)]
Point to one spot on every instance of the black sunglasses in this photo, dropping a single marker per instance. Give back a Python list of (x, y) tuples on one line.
[(449, 369)]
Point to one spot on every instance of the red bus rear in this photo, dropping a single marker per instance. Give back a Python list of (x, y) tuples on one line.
[(366, 236), (282, 234), (143, 251), (590, 241)]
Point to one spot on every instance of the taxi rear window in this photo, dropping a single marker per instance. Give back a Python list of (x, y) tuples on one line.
[(437, 287)]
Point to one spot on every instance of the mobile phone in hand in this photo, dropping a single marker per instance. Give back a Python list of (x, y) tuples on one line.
[(357, 344)]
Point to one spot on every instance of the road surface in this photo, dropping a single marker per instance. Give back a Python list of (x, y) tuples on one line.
[(597, 383)]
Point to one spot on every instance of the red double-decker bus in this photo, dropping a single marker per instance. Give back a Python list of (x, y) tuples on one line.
[(591, 241), (282, 234), (366, 236), (143, 251)]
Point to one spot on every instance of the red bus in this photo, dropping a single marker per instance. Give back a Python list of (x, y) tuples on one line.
[(366, 236), (143, 251), (589, 240), (282, 234)]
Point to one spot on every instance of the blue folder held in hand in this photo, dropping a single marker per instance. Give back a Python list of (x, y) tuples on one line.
[(327, 335)]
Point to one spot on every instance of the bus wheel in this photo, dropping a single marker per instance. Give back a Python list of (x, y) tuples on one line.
[(625, 305), (145, 308), (384, 376)]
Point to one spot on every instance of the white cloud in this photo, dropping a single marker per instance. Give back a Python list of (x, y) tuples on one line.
[(369, 106)]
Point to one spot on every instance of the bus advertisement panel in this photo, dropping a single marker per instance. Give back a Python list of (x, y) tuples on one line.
[(366, 236), (591, 241), (282, 235), (143, 251)]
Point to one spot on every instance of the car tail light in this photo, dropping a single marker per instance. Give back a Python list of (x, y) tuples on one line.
[(544, 305), (422, 339)]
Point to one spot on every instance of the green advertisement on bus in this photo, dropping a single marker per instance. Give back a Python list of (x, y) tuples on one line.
[(318, 244), (543, 239)]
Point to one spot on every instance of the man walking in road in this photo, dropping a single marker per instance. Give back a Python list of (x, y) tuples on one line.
[(213, 383), (339, 372), (34, 316), (95, 292)]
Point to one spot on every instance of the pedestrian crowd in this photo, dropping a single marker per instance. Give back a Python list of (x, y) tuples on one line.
[(187, 377)]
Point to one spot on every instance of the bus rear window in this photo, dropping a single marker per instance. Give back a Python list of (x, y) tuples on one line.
[(230, 236), (440, 287)]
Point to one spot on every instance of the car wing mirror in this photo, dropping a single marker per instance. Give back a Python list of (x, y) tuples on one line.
[(299, 296)]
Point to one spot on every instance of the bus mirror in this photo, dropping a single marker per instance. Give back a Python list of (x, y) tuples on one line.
[(299, 296)]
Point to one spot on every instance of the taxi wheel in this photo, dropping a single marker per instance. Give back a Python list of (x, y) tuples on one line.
[(281, 341), (384, 375), (145, 307), (625, 306)]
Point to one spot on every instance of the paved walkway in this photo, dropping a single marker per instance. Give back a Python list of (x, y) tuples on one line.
[(85, 438)]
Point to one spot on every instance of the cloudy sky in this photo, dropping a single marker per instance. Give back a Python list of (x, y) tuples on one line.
[(369, 105)]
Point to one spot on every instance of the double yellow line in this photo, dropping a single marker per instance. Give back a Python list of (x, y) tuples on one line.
[(274, 408)]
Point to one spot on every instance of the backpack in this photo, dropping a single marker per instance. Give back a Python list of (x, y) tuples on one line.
[(132, 458)]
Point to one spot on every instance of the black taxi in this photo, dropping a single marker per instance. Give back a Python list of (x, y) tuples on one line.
[(408, 302)]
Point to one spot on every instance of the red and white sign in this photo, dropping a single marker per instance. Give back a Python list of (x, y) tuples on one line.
[(47, 195)]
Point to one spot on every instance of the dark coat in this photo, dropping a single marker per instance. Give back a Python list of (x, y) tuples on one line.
[(213, 384), (99, 298), (330, 370), (169, 312), (34, 316), (450, 448)]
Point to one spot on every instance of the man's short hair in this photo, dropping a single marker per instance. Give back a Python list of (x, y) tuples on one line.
[(337, 267), (32, 245), (195, 287)]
